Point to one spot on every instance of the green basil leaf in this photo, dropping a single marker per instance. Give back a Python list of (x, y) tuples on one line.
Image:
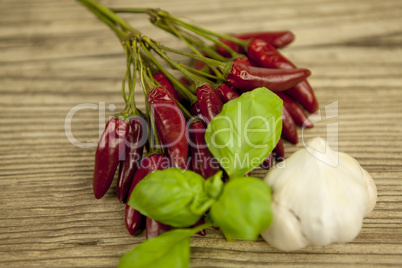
[(243, 210), (170, 249), (172, 196), (246, 131)]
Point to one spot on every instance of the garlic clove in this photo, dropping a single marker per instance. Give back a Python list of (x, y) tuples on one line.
[(372, 192), (364, 176), (289, 236)]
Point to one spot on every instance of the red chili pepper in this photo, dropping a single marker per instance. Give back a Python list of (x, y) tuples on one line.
[(247, 61), (294, 109), (149, 164), (202, 160), (209, 102), (165, 82), (279, 151), (133, 154), (247, 78), (226, 94), (195, 109), (157, 228), (267, 56), (171, 125), (199, 65), (276, 39), (108, 153), (185, 81), (289, 130), (154, 228), (133, 220), (268, 162), (235, 47), (244, 60), (304, 94)]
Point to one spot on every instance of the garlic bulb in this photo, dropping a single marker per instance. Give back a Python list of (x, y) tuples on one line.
[(319, 197)]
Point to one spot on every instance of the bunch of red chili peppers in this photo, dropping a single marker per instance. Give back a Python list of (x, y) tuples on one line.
[(178, 110)]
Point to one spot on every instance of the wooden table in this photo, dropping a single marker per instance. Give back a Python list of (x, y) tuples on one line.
[(55, 55)]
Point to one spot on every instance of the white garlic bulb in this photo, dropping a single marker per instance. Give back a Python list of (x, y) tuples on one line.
[(319, 197)]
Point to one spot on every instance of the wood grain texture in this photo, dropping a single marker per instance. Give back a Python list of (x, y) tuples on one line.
[(55, 55)]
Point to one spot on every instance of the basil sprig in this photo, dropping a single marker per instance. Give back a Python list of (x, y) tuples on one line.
[(241, 208), (247, 129)]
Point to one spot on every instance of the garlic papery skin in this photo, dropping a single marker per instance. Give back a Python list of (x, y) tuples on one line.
[(319, 197)]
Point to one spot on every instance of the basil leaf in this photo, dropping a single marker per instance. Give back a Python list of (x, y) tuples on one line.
[(170, 249), (172, 196), (246, 131), (243, 210)]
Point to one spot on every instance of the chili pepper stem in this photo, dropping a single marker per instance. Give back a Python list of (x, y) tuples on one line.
[(189, 26), (189, 96), (216, 63), (202, 73), (112, 20), (123, 86), (134, 49), (131, 10), (233, 53), (154, 13), (199, 30), (177, 32), (120, 34), (194, 40), (130, 108), (111, 15), (147, 82), (199, 81)]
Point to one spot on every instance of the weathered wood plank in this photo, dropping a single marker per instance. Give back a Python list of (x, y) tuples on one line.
[(55, 55)]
